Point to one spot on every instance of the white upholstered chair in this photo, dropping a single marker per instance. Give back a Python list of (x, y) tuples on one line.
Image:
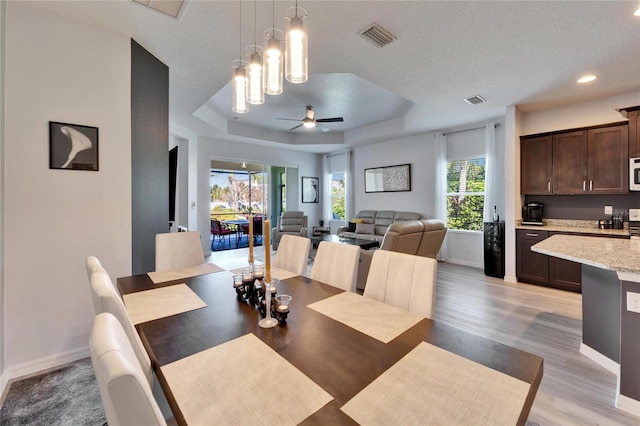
[(126, 395), (93, 265), (293, 254), (336, 264), (177, 250), (403, 280), (110, 301)]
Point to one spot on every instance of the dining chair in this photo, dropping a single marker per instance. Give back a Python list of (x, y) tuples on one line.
[(403, 280), (219, 230), (93, 265), (110, 301), (336, 264), (126, 395), (293, 254), (177, 250)]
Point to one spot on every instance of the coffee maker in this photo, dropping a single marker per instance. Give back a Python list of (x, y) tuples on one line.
[(532, 213)]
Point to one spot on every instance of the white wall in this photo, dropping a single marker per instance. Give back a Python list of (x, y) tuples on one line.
[(59, 70), (463, 247), (307, 164), (419, 151)]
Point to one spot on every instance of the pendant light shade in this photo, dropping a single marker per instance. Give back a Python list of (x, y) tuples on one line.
[(296, 50), (254, 81), (238, 89), (273, 65)]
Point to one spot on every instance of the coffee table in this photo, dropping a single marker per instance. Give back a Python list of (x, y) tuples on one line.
[(362, 243)]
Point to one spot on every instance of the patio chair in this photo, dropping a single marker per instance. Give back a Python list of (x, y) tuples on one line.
[(219, 230)]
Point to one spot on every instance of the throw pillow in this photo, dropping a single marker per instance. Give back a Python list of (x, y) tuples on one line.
[(352, 224), (365, 228)]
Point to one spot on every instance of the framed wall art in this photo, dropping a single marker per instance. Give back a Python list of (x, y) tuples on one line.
[(310, 190), (73, 146), (388, 179)]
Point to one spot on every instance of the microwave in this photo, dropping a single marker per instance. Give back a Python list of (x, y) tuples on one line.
[(634, 174)]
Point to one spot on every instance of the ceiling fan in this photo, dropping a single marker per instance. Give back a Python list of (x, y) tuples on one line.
[(309, 121)]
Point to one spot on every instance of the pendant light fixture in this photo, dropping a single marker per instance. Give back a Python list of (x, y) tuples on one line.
[(238, 84), (254, 80), (296, 47), (273, 64)]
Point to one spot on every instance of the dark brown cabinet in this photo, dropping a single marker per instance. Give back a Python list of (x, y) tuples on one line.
[(536, 165), (570, 158), (550, 271), (582, 161), (536, 268), (633, 114)]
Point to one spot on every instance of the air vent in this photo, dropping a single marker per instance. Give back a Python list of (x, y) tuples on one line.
[(377, 35), (474, 100), (168, 7)]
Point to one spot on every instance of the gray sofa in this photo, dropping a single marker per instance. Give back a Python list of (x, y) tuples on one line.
[(380, 219), (415, 237)]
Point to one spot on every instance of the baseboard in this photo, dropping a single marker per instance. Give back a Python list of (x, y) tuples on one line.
[(510, 279), (600, 359), (40, 366), (627, 404), (465, 263)]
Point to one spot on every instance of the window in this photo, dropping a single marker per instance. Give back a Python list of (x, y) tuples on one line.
[(338, 191), (465, 193)]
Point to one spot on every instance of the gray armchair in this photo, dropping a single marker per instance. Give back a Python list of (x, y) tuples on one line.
[(293, 223)]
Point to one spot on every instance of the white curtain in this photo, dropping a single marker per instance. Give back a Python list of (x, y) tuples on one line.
[(441, 187), (490, 197), (348, 202)]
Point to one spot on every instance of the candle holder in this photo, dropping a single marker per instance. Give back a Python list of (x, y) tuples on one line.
[(281, 307), (268, 321)]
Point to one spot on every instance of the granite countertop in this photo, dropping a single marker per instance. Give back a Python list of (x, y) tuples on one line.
[(575, 226), (616, 254)]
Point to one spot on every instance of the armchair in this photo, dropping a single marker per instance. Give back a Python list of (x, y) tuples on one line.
[(293, 223)]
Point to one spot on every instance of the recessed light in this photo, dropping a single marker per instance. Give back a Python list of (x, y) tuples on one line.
[(587, 78)]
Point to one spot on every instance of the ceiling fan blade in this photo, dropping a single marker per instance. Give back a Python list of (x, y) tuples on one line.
[(293, 128), (321, 127), (289, 119), (330, 120)]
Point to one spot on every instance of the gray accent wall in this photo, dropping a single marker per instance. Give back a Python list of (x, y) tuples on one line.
[(149, 155), (630, 345)]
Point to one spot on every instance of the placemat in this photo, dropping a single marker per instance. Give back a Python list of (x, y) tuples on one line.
[(181, 273), (375, 319), (235, 263), (431, 386), (242, 382), (281, 274), (161, 302)]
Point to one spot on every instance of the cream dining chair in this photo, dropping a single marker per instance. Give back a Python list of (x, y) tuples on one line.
[(336, 264), (293, 254), (110, 301), (403, 280), (126, 395), (177, 250)]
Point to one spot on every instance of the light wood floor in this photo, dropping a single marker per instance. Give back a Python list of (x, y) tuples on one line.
[(543, 321)]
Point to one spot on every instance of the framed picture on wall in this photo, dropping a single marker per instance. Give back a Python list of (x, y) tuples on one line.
[(73, 146), (388, 179), (310, 190)]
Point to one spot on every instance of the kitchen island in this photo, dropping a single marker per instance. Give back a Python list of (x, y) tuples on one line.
[(610, 329)]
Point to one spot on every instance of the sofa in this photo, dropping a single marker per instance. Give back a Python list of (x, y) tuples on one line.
[(293, 223), (373, 224), (417, 237)]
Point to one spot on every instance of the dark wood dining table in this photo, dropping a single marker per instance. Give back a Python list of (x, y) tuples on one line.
[(336, 357)]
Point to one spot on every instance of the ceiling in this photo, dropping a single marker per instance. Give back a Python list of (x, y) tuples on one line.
[(524, 53)]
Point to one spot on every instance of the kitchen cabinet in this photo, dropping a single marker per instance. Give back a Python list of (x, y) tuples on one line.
[(536, 165), (591, 160), (633, 114), (536, 268)]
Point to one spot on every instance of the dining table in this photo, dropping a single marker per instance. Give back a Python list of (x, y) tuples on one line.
[(339, 358)]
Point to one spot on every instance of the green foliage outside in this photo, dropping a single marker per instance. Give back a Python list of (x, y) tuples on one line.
[(337, 196), (465, 194), (238, 197)]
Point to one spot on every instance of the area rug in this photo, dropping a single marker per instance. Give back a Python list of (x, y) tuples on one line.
[(66, 396)]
